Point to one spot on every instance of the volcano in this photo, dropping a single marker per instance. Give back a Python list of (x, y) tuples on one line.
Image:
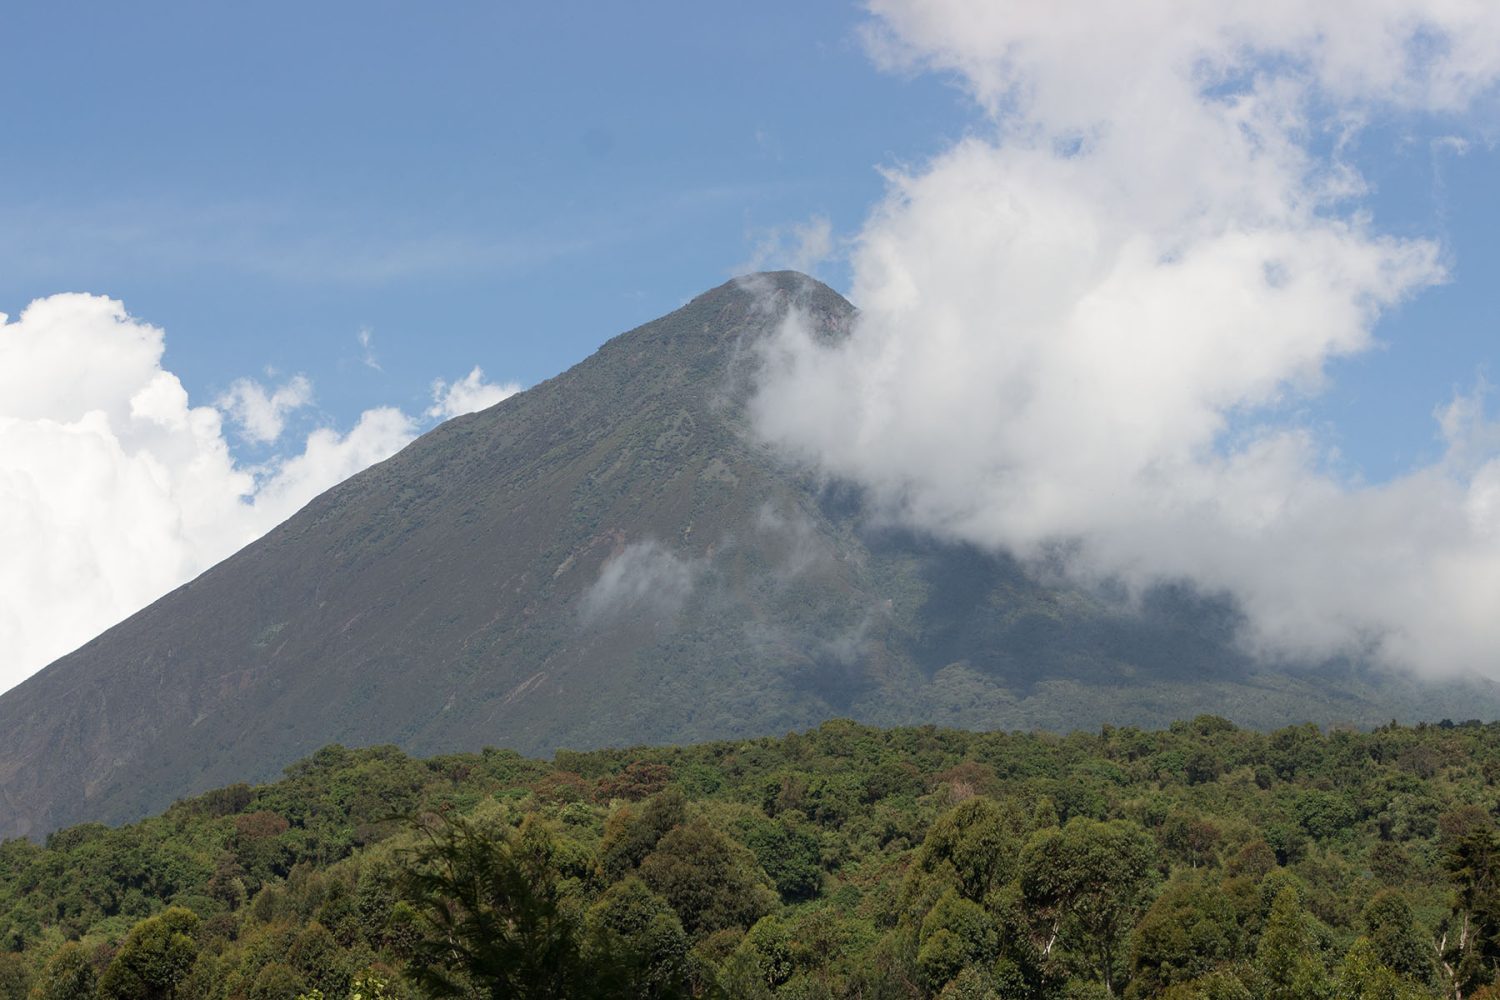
[(612, 557)]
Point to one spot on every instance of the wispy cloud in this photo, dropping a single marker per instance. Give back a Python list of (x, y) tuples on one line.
[(366, 340), (469, 394), (266, 239), (299, 244), (261, 413), (800, 246), (644, 578)]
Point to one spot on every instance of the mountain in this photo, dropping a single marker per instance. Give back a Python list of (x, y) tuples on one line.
[(610, 558)]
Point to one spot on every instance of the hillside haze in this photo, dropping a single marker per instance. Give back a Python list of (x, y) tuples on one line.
[(612, 558)]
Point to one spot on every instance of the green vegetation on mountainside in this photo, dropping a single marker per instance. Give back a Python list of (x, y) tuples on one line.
[(1202, 861)]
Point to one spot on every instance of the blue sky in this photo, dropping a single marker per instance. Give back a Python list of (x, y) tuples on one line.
[(508, 186), (1378, 405), (504, 185)]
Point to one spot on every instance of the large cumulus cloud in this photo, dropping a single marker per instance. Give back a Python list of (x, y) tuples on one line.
[(1082, 324)]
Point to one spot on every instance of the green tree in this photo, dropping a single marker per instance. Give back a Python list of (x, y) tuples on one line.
[(633, 832), (1190, 837), (1392, 932), (712, 882), (972, 846), (154, 959), (1189, 930), (634, 926), (1221, 984), (206, 980), (495, 920), (68, 975), (970, 984), (789, 854), (1286, 956), (276, 981), (1085, 884), (762, 961), (319, 960), (956, 933), (15, 977), (1361, 976), (1470, 944)]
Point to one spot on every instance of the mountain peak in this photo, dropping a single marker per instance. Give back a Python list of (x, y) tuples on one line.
[(751, 303)]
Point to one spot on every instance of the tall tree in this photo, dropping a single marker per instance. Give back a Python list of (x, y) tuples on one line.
[(1287, 956), (495, 920), (1085, 884)]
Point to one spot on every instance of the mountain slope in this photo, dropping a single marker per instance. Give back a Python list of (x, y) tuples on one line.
[(610, 557)]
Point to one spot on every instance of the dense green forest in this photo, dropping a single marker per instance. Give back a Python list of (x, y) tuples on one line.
[(1203, 861)]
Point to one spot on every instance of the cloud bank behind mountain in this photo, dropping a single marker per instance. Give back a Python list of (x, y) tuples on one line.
[(1084, 325)]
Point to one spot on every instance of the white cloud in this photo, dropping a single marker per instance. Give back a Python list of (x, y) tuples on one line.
[(114, 488), (261, 414), (328, 457), (366, 340), (801, 246), (469, 394), (643, 578), (1064, 317)]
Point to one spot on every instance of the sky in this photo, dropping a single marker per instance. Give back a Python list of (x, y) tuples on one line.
[(245, 252)]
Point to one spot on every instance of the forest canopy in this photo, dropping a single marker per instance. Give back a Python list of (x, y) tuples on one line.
[(1201, 861)]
